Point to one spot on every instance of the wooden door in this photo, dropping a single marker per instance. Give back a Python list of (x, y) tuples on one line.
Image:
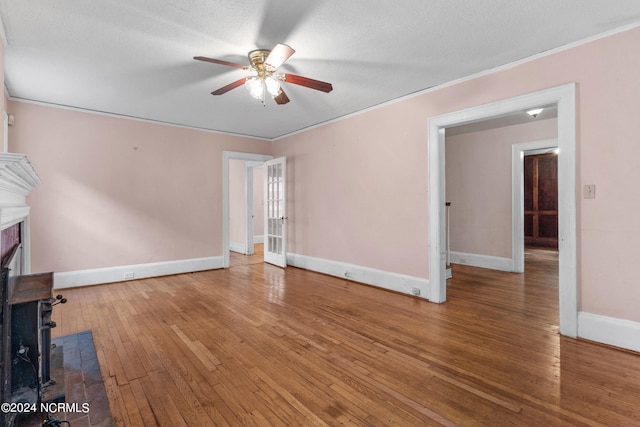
[(541, 200)]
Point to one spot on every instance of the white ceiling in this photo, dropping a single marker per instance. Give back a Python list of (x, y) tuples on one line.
[(135, 58)]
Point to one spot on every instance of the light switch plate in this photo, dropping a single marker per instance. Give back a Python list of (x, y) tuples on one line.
[(589, 191)]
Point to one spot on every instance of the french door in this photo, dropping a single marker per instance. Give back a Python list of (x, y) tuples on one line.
[(275, 216)]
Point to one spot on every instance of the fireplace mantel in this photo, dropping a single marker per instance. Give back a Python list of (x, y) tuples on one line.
[(17, 179)]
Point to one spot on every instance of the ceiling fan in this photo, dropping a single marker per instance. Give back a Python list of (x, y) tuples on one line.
[(263, 77)]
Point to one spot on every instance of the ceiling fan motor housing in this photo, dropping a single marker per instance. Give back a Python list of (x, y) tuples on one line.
[(257, 58)]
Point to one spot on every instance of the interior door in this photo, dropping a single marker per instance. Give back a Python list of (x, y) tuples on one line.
[(275, 216), (541, 200)]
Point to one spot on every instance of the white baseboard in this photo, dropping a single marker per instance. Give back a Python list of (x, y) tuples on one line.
[(370, 276), (609, 330), (238, 247), (241, 247), (96, 276), (483, 261)]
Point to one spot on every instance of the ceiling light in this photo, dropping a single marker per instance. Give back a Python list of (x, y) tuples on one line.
[(258, 87), (272, 84), (534, 112), (255, 87)]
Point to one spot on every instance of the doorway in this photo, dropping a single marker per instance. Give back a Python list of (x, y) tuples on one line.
[(246, 210), (227, 157), (518, 152), (564, 98)]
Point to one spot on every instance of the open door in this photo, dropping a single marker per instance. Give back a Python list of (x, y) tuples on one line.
[(275, 217)]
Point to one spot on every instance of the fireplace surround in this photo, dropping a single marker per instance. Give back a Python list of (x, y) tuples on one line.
[(27, 360)]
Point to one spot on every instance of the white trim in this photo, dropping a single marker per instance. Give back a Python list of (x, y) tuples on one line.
[(227, 156), (483, 261), (436, 213), (11, 215), (609, 330), (238, 247), (97, 276), (17, 179), (258, 238), (517, 197), (370, 276), (25, 238), (564, 97)]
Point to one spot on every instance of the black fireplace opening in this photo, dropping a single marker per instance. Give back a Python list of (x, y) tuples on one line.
[(27, 358)]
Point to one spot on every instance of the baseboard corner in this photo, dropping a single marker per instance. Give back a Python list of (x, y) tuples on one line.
[(609, 330)]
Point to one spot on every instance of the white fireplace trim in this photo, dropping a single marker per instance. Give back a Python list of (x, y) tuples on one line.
[(17, 176), (10, 215), (17, 179)]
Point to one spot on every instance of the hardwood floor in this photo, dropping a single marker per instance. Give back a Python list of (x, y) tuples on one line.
[(259, 345), (237, 259)]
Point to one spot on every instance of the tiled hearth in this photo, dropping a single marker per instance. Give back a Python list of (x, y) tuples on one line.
[(83, 384)]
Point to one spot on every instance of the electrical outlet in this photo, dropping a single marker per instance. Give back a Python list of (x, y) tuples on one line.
[(129, 275), (416, 291), (589, 191)]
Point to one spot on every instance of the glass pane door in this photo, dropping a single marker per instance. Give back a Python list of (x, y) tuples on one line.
[(275, 212)]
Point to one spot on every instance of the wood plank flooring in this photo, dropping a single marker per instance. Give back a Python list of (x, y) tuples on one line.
[(258, 345)]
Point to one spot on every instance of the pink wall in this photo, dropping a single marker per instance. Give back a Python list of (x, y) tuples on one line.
[(478, 185), (360, 184), (118, 191), (358, 191)]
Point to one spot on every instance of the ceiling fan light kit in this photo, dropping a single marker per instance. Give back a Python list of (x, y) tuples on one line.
[(263, 78)]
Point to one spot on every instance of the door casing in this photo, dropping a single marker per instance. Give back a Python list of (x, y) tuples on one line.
[(562, 96)]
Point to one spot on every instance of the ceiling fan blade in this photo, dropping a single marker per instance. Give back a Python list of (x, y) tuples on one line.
[(228, 87), (307, 82), (278, 56), (219, 61), (281, 98)]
